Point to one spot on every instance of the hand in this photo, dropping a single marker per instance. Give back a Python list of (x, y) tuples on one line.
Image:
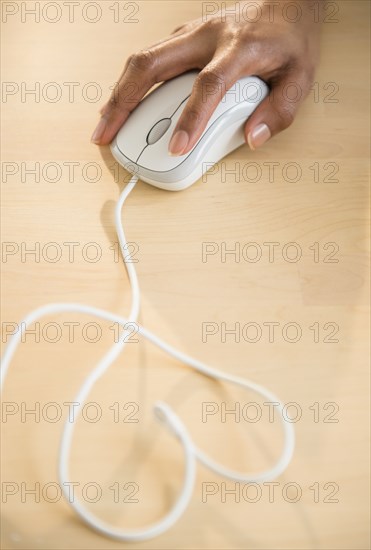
[(225, 47)]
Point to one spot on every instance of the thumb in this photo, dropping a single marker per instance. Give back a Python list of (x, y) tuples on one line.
[(277, 112)]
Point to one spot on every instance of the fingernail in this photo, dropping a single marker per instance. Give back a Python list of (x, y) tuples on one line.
[(258, 136), (178, 142), (99, 131)]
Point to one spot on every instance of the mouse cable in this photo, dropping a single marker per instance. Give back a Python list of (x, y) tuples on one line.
[(163, 412)]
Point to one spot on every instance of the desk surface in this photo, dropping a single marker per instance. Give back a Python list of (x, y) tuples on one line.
[(306, 192)]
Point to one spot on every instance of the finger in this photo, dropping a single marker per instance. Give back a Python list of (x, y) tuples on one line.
[(208, 90), (143, 70), (277, 112), (103, 109)]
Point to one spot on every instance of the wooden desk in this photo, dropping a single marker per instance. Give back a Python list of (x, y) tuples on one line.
[(317, 196)]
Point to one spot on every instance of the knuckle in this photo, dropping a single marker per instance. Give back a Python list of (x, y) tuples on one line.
[(214, 75), (234, 34), (305, 77), (212, 23), (144, 60), (211, 82), (285, 114), (209, 28), (193, 116), (113, 103)]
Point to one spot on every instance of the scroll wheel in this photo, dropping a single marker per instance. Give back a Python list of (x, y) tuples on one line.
[(158, 130)]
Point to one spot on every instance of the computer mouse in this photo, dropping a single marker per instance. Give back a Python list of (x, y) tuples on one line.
[(141, 145)]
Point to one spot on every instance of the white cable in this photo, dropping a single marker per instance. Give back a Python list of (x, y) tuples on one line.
[(163, 411)]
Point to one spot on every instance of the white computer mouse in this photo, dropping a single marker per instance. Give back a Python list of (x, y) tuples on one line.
[(141, 145)]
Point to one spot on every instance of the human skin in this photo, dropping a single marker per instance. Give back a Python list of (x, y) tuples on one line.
[(259, 38)]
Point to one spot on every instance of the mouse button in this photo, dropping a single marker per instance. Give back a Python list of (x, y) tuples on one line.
[(157, 158), (251, 89), (244, 94), (228, 102), (159, 104), (158, 130), (131, 139)]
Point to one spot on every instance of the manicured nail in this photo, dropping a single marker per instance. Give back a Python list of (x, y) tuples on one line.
[(178, 143), (258, 136), (99, 131)]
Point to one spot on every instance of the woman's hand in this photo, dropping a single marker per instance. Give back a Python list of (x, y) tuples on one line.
[(226, 47)]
